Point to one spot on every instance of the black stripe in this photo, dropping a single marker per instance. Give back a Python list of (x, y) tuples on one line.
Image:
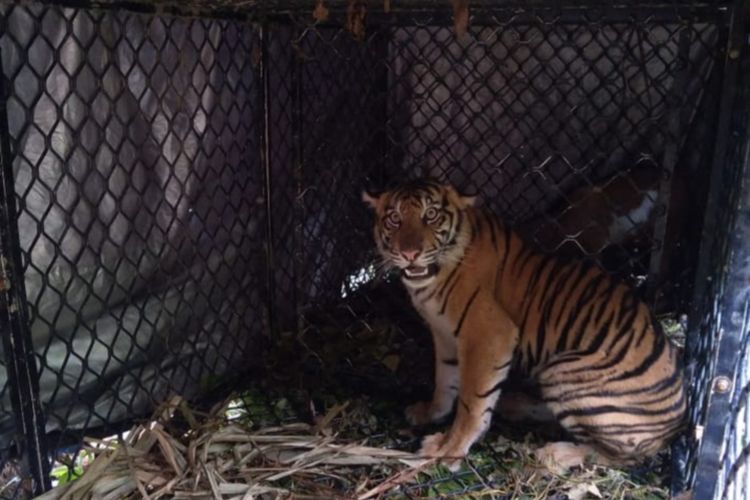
[(451, 361), (491, 225), (663, 398), (527, 254), (651, 359), (628, 303), (582, 271), (438, 290), (500, 271), (615, 360), (643, 333), (619, 428), (494, 389), (525, 317), (574, 311), (529, 358), (460, 216), (604, 409), (565, 274), (559, 360), (604, 300), (601, 335), (661, 437), (584, 299), (625, 429), (546, 312), (502, 367), (508, 236), (550, 303), (472, 227), (540, 334), (450, 277), (552, 276), (595, 388), (466, 407), (626, 321), (466, 310), (534, 279), (447, 297), (584, 326)]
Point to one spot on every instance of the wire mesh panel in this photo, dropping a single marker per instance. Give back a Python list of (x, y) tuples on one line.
[(137, 169), (591, 130), (185, 185), (718, 345), (550, 115), (734, 478)]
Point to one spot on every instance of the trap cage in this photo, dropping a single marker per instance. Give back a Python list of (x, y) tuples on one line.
[(181, 193)]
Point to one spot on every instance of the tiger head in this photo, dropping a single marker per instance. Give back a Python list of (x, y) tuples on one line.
[(419, 227)]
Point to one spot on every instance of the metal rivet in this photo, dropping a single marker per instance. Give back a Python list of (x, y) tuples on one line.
[(722, 384), (698, 432)]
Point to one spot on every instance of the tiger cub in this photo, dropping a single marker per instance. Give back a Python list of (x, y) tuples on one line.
[(597, 357)]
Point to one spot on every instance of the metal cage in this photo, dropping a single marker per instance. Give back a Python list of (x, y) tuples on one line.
[(181, 186)]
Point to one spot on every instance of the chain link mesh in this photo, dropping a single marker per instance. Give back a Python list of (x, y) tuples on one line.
[(186, 185), (135, 146)]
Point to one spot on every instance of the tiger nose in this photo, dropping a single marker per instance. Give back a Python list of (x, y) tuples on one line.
[(410, 255)]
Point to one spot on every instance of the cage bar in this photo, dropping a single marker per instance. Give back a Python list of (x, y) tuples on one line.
[(20, 360)]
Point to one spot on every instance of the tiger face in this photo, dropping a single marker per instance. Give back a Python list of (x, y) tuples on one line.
[(419, 227)]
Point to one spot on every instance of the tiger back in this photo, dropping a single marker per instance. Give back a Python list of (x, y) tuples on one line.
[(603, 368)]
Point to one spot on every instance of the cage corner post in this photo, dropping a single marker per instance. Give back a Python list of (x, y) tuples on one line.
[(717, 464), (265, 156), (23, 377), (298, 172), (674, 130)]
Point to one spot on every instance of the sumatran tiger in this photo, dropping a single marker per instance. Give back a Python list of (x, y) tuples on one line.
[(600, 363)]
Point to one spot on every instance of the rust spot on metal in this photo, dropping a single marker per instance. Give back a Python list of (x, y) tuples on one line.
[(4, 278)]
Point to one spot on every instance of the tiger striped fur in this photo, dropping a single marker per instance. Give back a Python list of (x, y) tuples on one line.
[(495, 307)]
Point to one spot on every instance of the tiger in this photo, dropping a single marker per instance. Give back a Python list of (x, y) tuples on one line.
[(597, 359)]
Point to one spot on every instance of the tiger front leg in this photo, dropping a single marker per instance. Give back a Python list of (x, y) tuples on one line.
[(485, 349), (446, 383)]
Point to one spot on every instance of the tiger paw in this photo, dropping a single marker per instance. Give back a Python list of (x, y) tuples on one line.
[(419, 413), (433, 446), (559, 457)]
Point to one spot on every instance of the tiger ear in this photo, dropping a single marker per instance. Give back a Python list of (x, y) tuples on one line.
[(464, 201), (468, 201), (370, 199)]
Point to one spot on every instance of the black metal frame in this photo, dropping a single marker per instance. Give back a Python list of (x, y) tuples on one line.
[(21, 360), (726, 246)]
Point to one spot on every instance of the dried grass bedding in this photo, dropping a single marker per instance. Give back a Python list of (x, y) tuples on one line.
[(313, 431)]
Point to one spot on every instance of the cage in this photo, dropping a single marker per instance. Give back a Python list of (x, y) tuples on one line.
[(181, 194)]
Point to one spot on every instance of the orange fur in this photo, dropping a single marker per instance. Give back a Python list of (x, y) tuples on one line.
[(496, 307)]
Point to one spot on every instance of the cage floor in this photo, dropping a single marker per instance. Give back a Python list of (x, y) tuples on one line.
[(256, 441), (342, 382)]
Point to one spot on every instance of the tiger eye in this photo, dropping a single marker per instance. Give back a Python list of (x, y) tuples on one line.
[(393, 220), (431, 214)]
